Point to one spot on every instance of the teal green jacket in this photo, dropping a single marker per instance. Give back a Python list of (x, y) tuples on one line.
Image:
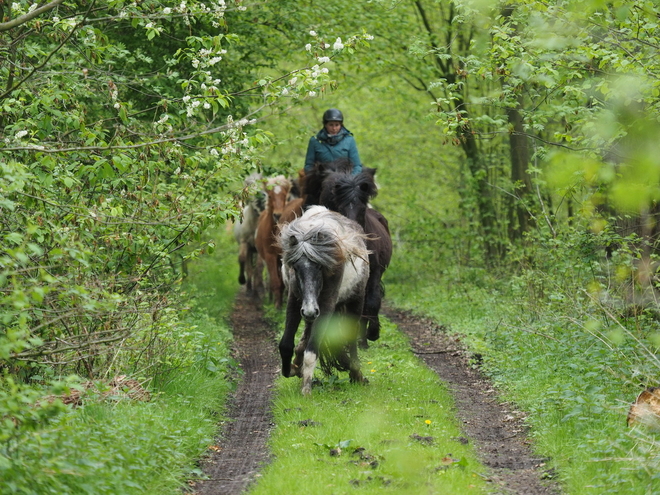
[(324, 148)]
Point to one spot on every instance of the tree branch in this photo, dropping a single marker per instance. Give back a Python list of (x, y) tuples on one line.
[(6, 26)]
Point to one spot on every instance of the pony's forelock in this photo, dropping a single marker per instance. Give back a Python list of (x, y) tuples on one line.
[(324, 237)]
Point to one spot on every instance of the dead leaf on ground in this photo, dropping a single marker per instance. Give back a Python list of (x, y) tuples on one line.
[(646, 409)]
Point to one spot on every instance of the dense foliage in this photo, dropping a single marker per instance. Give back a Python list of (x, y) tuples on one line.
[(127, 129)]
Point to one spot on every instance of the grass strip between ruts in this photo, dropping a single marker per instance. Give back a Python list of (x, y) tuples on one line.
[(398, 434)]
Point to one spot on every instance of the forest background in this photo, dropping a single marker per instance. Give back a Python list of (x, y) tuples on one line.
[(516, 145)]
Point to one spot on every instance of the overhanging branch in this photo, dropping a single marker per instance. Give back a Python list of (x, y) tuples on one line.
[(6, 26)]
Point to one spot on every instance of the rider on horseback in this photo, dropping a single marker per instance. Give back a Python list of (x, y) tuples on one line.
[(332, 142)]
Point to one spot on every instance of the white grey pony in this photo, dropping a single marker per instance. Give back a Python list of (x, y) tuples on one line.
[(325, 266), (244, 232)]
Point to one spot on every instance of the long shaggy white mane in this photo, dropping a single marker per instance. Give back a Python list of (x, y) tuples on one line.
[(323, 236)]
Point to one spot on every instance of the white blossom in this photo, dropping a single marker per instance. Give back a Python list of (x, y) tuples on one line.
[(117, 105), (167, 11), (308, 47), (21, 134), (324, 70), (196, 103), (338, 45), (368, 37), (215, 60), (323, 60), (186, 98), (214, 152), (312, 93), (312, 33), (293, 81), (207, 105), (285, 92)]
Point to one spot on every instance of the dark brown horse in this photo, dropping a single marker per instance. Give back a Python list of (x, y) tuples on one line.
[(310, 185), (277, 190), (349, 195)]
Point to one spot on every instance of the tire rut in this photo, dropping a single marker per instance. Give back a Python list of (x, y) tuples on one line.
[(241, 450), (498, 433)]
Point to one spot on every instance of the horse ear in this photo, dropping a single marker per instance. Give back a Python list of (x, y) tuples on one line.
[(370, 171)]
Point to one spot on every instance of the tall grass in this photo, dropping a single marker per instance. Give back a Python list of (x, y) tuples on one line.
[(116, 445)]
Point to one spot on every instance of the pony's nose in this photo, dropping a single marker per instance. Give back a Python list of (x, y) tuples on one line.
[(310, 313)]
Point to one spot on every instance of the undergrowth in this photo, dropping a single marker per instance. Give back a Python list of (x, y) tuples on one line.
[(114, 444), (558, 339)]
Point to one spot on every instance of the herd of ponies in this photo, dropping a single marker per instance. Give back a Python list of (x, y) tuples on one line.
[(325, 249)]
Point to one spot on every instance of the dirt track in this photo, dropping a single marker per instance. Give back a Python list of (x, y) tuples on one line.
[(496, 431)]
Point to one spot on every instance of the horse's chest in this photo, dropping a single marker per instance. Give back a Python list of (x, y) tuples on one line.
[(353, 278)]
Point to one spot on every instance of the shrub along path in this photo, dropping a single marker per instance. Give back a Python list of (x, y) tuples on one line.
[(496, 431)]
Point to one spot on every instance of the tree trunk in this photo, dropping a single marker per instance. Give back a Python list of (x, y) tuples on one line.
[(519, 218)]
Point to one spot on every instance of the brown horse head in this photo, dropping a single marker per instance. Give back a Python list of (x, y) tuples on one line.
[(277, 189)]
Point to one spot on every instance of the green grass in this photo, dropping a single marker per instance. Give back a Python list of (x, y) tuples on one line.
[(574, 384), (403, 399), (123, 446)]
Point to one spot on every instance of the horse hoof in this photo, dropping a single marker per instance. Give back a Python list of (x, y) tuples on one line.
[(363, 344), (295, 371), (373, 333), (359, 378)]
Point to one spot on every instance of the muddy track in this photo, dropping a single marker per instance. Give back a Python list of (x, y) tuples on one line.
[(496, 431), (495, 428), (241, 450)]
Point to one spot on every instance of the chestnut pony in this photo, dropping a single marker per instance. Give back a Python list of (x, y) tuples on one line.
[(277, 191)]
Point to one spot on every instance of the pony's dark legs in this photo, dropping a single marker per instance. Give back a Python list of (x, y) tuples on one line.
[(372, 302), (327, 301), (250, 266), (300, 350), (287, 341), (242, 259), (353, 311)]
